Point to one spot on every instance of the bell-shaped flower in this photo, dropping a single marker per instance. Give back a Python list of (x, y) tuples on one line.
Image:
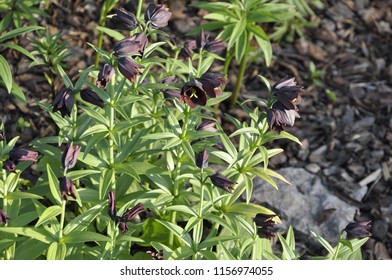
[(358, 230), (105, 75), (157, 16), (193, 94), (129, 68), (288, 93), (91, 97), (3, 217), (128, 216), (222, 182), (134, 45), (279, 116), (202, 159), (67, 188), (112, 211), (124, 20), (212, 83), (214, 46), (64, 102), (265, 224), (70, 156), (9, 165), (170, 93), (21, 154)]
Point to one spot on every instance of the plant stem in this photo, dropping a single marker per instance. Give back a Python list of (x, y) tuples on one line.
[(240, 78), (62, 218), (102, 22), (139, 8)]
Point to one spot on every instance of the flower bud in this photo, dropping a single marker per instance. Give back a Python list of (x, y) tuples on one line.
[(70, 156), (67, 188), (64, 102), (105, 75), (91, 97)]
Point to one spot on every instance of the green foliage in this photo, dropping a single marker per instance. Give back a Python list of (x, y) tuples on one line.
[(140, 149)]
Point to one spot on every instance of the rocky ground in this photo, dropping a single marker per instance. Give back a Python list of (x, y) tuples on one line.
[(345, 162)]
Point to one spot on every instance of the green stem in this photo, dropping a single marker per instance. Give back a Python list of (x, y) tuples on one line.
[(240, 78), (139, 8), (102, 22), (62, 218)]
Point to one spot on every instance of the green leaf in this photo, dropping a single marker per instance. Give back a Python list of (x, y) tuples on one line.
[(110, 32), (210, 242), (248, 209), (64, 76), (266, 47), (245, 130), (49, 213), (19, 31), (239, 28), (18, 92), (82, 221), (178, 231), (288, 253), (23, 195), (36, 233), (99, 118), (56, 251), (19, 49), (54, 184), (324, 242), (127, 169), (5, 73), (84, 236)]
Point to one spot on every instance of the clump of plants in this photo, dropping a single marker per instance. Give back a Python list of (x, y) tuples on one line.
[(141, 164)]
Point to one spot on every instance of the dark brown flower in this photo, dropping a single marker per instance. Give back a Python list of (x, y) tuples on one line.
[(134, 45), (156, 255), (206, 125), (288, 93), (212, 83), (265, 224), (187, 50), (3, 217), (128, 216), (70, 156), (170, 93), (279, 116), (202, 159), (358, 230), (21, 154), (92, 97), (157, 16), (214, 46), (67, 188), (193, 94), (222, 182), (9, 165), (124, 20), (105, 75), (64, 102), (129, 68), (112, 211)]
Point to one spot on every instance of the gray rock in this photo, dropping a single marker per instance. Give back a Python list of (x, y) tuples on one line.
[(305, 203)]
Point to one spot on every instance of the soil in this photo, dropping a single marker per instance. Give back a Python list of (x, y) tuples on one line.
[(345, 124)]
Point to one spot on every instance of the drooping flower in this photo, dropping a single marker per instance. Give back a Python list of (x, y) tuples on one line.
[(21, 154), (170, 93), (288, 93), (64, 102), (3, 217), (156, 255), (202, 159), (187, 50), (214, 46), (105, 75), (67, 188), (134, 45), (279, 116), (358, 230), (265, 224), (212, 83), (124, 20), (70, 156), (128, 216), (157, 16), (193, 94), (92, 97), (129, 68), (112, 211), (206, 125), (222, 182), (9, 165)]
